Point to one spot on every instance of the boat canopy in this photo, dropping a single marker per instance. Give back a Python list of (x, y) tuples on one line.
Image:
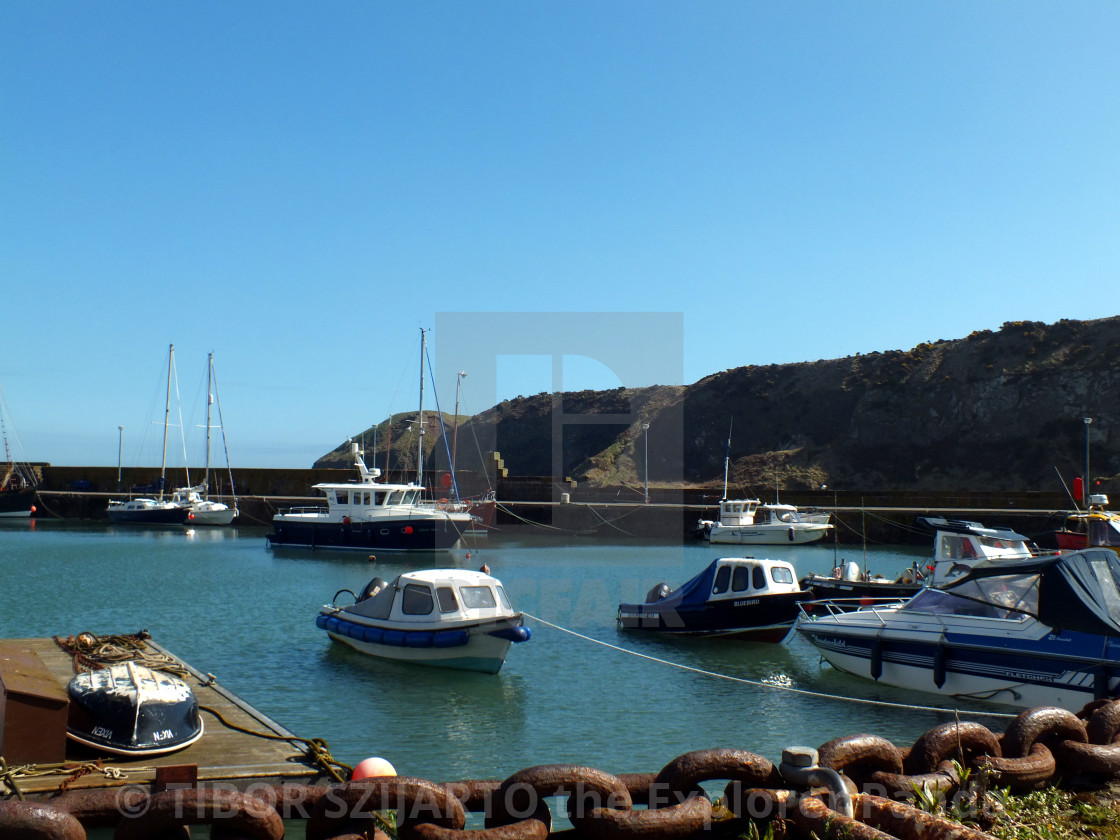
[(1077, 591), (733, 576)]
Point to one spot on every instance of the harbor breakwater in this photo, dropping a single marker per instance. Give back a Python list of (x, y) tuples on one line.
[(544, 506)]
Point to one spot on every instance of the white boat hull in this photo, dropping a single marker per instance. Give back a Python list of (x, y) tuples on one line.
[(483, 653), (778, 534)]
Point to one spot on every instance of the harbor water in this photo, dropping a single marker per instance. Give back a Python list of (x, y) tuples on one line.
[(580, 691)]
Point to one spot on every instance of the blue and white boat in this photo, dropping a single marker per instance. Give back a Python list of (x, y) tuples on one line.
[(452, 618), (1037, 631), (744, 598)]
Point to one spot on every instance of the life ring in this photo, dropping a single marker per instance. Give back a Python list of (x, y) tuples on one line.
[(836, 573), (443, 504)]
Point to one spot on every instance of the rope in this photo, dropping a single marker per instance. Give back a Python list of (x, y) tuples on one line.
[(316, 749), (762, 683), (90, 652)]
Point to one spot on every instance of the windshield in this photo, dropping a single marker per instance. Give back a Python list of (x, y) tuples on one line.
[(1003, 596)]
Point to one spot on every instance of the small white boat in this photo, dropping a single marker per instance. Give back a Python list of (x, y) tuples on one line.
[(748, 522), (451, 618)]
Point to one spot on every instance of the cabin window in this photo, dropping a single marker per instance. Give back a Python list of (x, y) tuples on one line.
[(411, 496), (740, 579), (379, 497), (395, 497), (759, 575), (447, 601), (780, 574), (417, 600), (477, 597), (365, 498), (505, 600), (956, 547), (723, 576), (342, 497)]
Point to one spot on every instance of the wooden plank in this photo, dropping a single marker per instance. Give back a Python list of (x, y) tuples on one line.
[(223, 755)]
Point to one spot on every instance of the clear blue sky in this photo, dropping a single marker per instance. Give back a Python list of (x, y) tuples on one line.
[(300, 187)]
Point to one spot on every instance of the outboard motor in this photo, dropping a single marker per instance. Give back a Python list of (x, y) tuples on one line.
[(658, 593), (372, 588)]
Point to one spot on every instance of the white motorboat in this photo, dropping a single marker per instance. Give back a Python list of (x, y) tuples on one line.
[(749, 522), (451, 618), (747, 598), (371, 516), (1027, 631)]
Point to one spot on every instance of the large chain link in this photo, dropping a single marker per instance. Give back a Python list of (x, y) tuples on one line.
[(1037, 746)]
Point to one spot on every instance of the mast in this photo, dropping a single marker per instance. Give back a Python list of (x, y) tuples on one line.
[(166, 418), (420, 436), (209, 402), (727, 458)]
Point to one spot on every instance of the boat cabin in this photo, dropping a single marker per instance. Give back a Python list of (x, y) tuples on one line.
[(960, 545), (1102, 526), (737, 512), (432, 597), (736, 577)]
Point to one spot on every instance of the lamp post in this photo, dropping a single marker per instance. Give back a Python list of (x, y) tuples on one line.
[(645, 469), (1088, 420), (120, 440)]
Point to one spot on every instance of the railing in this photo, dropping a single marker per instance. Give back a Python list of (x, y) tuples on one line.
[(813, 610)]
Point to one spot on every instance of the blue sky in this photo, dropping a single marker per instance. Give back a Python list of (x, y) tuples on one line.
[(301, 187)]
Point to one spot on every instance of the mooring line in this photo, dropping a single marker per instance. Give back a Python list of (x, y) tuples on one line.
[(763, 684)]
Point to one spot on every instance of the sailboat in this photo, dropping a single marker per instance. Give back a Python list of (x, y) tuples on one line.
[(369, 515), (17, 481), (158, 511), (203, 509)]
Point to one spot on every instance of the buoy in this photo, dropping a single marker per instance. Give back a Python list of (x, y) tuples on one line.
[(485, 569), (370, 767)]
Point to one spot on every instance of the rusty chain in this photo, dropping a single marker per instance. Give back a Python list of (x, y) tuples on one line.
[(1038, 746)]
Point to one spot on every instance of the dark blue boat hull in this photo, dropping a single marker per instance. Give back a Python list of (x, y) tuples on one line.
[(394, 535)]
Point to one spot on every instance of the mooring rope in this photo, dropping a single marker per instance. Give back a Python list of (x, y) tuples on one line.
[(763, 684)]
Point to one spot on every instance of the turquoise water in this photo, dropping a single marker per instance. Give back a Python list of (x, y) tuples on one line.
[(229, 605)]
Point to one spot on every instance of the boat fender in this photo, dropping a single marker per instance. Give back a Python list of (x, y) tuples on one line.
[(658, 593), (450, 638), (418, 638), (939, 666), (513, 634), (876, 659), (332, 625), (373, 635), (346, 520), (321, 621), (791, 534), (394, 637)]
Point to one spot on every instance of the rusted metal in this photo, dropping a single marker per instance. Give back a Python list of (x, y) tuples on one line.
[(102, 807), (859, 756), (906, 822), (960, 741), (682, 775), (682, 819), (1023, 773), (1103, 726), (238, 812), (37, 821), (521, 795), (414, 800), (1046, 724)]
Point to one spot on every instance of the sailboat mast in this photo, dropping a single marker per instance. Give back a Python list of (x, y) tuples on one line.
[(727, 458), (166, 419), (209, 402), (420, 436)]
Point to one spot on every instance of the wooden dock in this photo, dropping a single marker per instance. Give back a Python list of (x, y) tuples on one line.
[(227, 753)]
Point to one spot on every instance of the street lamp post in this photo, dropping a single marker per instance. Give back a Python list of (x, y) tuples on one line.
[(645, 469), (1088, 493), (120, 440)]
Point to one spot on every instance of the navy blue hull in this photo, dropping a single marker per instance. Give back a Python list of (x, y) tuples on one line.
[(762, 618), (169, 516), (394, 535)]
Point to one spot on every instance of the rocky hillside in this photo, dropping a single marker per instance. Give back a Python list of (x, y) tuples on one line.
[(996, 409)]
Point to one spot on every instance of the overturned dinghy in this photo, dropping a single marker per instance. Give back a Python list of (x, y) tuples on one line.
[(130, 709)]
